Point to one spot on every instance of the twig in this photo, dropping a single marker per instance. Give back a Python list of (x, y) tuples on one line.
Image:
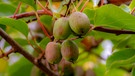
[(34, 39), (80, 2), (102, 3), (45, 10), (42, 26), (84, 5), (19, 5), (133, 10), (27, 14), (67, 10), (7, 53), (117, 32), (20, 50)]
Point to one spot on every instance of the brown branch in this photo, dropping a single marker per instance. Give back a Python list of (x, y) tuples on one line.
[(20, 50), (27, 14), (7, 53), (117, 32)]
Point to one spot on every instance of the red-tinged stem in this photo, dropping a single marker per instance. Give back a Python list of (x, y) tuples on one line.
[(42, 26), (132, 11), (102, 3), (19, 5), (84, 5), (45, 10)]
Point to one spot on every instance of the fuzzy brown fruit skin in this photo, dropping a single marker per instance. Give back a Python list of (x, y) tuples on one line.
[(53, 53), (69, 51), (79, 23), (61, 29)]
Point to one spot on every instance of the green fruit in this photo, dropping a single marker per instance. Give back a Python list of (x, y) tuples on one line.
[(53, 52), (79, 23), (61, 28), (69, 50)]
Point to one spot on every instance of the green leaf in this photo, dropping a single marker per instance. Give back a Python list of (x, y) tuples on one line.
[(44, 42), (122, 43), (3, 26), (16, 24), (20, 68), (133, 71), (47, 21), (30, 2), (112, 16), (6, 9), (121, 58), (116, 72), (22, 42), (90, 13), (132, 4)]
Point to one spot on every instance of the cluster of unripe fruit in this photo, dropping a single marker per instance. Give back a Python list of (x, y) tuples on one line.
[(79, 24)]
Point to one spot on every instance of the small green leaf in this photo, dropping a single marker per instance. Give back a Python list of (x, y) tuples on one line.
[(6, 9), (16, 24), (44, 42), (132, 4), (30, 2), (47, 21), (121, 58), (112, 16)]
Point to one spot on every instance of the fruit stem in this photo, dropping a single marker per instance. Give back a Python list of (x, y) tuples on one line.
[(133, 10), (17, 9), (84, 5), (50, 13), (80, 2), (42, 26)]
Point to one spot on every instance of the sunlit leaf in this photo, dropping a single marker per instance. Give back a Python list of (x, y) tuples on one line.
[(20, 68), (30, 2), (113, 16), (6, 9), (122, 43), (3, 65), (116, 72), (132, 4), (16, 24), (121, 58), (47, 21), (21, 41), (90, 13)]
